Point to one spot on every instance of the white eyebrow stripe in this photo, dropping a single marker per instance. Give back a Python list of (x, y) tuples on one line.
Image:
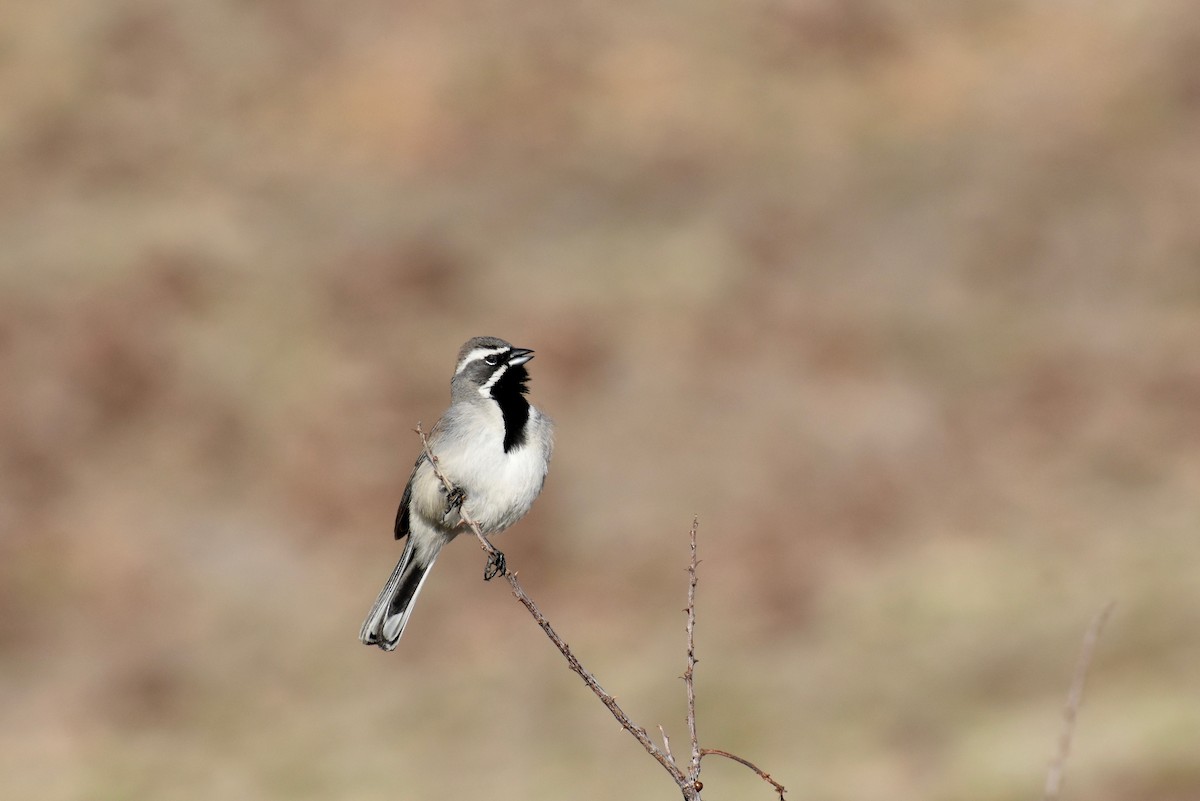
[(486, 389), (478, 354)]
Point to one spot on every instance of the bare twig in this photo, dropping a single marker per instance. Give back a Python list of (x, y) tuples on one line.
[(1054, 775), (689, 783), (779, 788), (685, 785), (637, 731), (689, 680), (666, 744)]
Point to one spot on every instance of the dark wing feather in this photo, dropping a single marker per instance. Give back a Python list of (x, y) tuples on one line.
[(402, 523), (402, 528)]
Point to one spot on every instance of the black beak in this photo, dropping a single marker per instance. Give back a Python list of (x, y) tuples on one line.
[(519, 356)]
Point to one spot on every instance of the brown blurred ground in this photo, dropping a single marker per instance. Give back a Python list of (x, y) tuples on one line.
[(903, 299)]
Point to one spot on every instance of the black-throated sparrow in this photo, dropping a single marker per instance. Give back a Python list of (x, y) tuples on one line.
[(494, 446)]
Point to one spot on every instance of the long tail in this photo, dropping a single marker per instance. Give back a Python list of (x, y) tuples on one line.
[(388, 617)]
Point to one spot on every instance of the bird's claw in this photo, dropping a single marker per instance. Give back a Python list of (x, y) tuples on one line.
[(454, 502), (496, 566)]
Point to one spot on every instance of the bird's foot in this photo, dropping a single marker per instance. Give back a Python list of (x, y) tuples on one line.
[(454, 502), (496, 566)]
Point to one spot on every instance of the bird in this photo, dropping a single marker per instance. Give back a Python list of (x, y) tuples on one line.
[(494, 447)]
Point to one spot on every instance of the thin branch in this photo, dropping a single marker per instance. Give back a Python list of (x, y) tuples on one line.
[(689, 784), (637, 731), (689, 674), (779, 788), (666, 744), (1054, 775), (685, 785)]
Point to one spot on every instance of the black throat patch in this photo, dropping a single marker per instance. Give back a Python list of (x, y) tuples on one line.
[(509, 393)]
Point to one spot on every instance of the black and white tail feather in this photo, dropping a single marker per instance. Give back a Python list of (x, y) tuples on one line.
[(392, 608), (494, 446)]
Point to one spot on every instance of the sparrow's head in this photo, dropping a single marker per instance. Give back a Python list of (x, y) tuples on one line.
[(490, 368)]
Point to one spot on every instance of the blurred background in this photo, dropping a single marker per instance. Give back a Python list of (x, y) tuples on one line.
[(901, 298)]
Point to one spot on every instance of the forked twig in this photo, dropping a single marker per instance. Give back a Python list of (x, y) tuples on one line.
[(688, 783), (607, 699), (1054, 775)]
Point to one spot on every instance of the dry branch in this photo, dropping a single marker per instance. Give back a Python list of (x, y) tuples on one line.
[(689, 679), (606, 698), (1054, 775), (779, 788), (688, 783)]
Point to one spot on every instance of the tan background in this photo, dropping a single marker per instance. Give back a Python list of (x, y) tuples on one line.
[(902, 298)]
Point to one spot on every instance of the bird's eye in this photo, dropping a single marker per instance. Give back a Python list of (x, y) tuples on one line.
[(492, 359)]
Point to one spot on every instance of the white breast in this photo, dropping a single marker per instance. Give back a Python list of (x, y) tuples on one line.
[(500, 486)]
